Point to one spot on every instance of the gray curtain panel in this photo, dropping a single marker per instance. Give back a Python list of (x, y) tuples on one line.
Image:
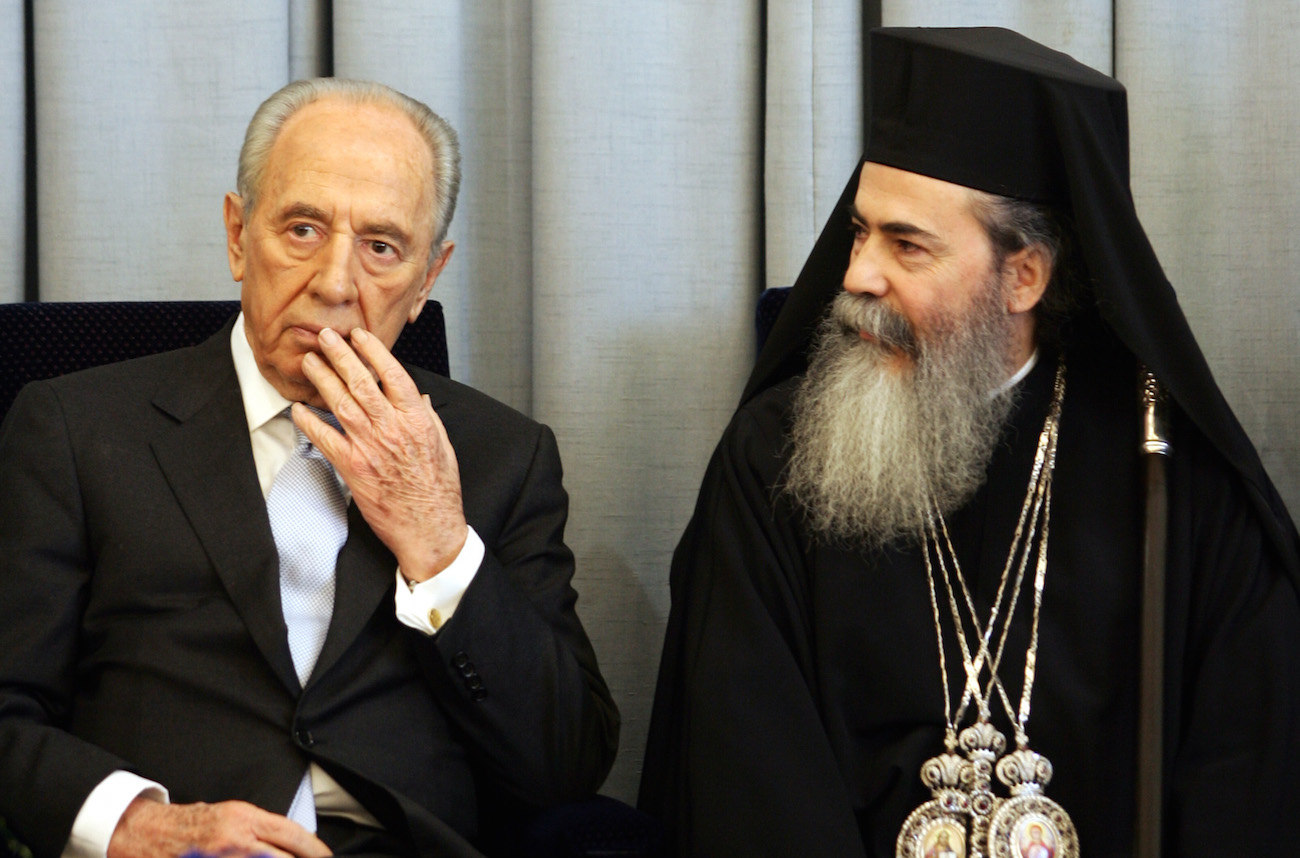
[(13, 134)]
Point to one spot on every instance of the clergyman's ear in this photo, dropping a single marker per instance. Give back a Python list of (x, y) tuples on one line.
[(1029, 270)]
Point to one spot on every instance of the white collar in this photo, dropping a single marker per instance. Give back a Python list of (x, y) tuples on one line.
[(262, 402), (1018, 377)]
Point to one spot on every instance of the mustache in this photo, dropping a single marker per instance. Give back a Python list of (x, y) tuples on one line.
[(856, 314)]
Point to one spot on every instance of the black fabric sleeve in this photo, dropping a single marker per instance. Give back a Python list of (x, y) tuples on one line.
[(738, 762), (518, 675), (45, 575), (1233, 732)]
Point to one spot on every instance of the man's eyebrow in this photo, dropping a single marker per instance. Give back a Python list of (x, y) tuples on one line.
[(388, 229), (302, 210), (911, 230), (895, 228)]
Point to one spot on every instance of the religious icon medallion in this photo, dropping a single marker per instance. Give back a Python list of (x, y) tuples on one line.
[(932, 835), (1029, 824), (937, 829), (1032, 826)]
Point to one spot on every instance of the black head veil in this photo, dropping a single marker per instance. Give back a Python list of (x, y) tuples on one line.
[(992, 110)]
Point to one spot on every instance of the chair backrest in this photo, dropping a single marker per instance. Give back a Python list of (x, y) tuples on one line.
[(44, 339), (770, 302)]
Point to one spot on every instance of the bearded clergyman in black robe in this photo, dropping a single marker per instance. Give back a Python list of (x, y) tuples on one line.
[(906, 613)]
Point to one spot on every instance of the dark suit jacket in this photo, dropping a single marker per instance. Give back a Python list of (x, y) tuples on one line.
[(140, 622)]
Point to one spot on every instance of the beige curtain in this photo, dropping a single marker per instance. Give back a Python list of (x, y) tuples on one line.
[(635, 173)]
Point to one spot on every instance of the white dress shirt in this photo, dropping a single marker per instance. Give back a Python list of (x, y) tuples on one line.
[(425, 606)]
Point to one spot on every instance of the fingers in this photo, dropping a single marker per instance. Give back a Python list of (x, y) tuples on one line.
[(398, 386), (324, 436), (278, 831), (345, 378), (229, 828), (342, 380), (362, 382), (395, 457)]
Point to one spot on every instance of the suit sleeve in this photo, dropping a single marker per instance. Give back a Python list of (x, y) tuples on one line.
[(738, 761), (517, 671), (45, 576)]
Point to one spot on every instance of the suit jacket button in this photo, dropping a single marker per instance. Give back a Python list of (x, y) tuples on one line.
[(474, 683), (305, 738), (460, 659), (478, 694)]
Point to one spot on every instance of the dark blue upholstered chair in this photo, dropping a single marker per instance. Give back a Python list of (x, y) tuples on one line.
[(770, 302)]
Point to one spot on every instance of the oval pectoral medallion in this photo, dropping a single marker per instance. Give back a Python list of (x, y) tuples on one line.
[(1032, 826), (932, 831)]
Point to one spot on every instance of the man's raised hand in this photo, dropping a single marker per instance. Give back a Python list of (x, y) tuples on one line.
[(394, 454)]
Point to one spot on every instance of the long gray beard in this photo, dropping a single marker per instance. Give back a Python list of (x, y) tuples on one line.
[(873, 445)]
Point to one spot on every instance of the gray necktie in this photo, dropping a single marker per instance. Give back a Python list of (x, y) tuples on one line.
[(310, 524)]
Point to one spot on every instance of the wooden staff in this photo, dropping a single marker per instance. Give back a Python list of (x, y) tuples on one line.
[(1151, 699)]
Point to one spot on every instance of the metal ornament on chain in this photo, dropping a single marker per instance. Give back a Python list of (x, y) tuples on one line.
[(940, 823), (1029, 824), (965, 819)]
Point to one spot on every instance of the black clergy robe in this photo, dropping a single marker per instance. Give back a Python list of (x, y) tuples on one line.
[(800, 691)]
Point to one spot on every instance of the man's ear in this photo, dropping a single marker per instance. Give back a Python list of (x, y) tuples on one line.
[(1028, 271), (233, 213), (435, 268)]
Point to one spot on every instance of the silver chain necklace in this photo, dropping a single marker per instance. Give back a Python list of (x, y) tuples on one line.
[(965, 818)]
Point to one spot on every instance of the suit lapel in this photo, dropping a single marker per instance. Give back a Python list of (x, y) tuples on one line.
[(208, 461)]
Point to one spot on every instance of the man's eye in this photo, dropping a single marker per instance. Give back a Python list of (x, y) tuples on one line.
[(382, 248), (302, 230)]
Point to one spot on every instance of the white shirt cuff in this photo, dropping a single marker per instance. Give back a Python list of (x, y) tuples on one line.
[(103, 809), (426, 606)]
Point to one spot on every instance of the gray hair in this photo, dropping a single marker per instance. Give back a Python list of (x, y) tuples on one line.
[(1012, 225), (271, 116)]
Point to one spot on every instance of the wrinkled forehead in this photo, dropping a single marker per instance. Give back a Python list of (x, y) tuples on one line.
[(873, 174), (890, 195), (360, 146)]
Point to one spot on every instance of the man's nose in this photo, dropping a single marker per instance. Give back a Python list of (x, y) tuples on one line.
[(335, 278), (865, 276)]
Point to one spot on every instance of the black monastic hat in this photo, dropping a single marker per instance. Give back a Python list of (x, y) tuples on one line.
[(990, 109)]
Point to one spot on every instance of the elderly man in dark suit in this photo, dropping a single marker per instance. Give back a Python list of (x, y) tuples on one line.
[(229, 620)]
